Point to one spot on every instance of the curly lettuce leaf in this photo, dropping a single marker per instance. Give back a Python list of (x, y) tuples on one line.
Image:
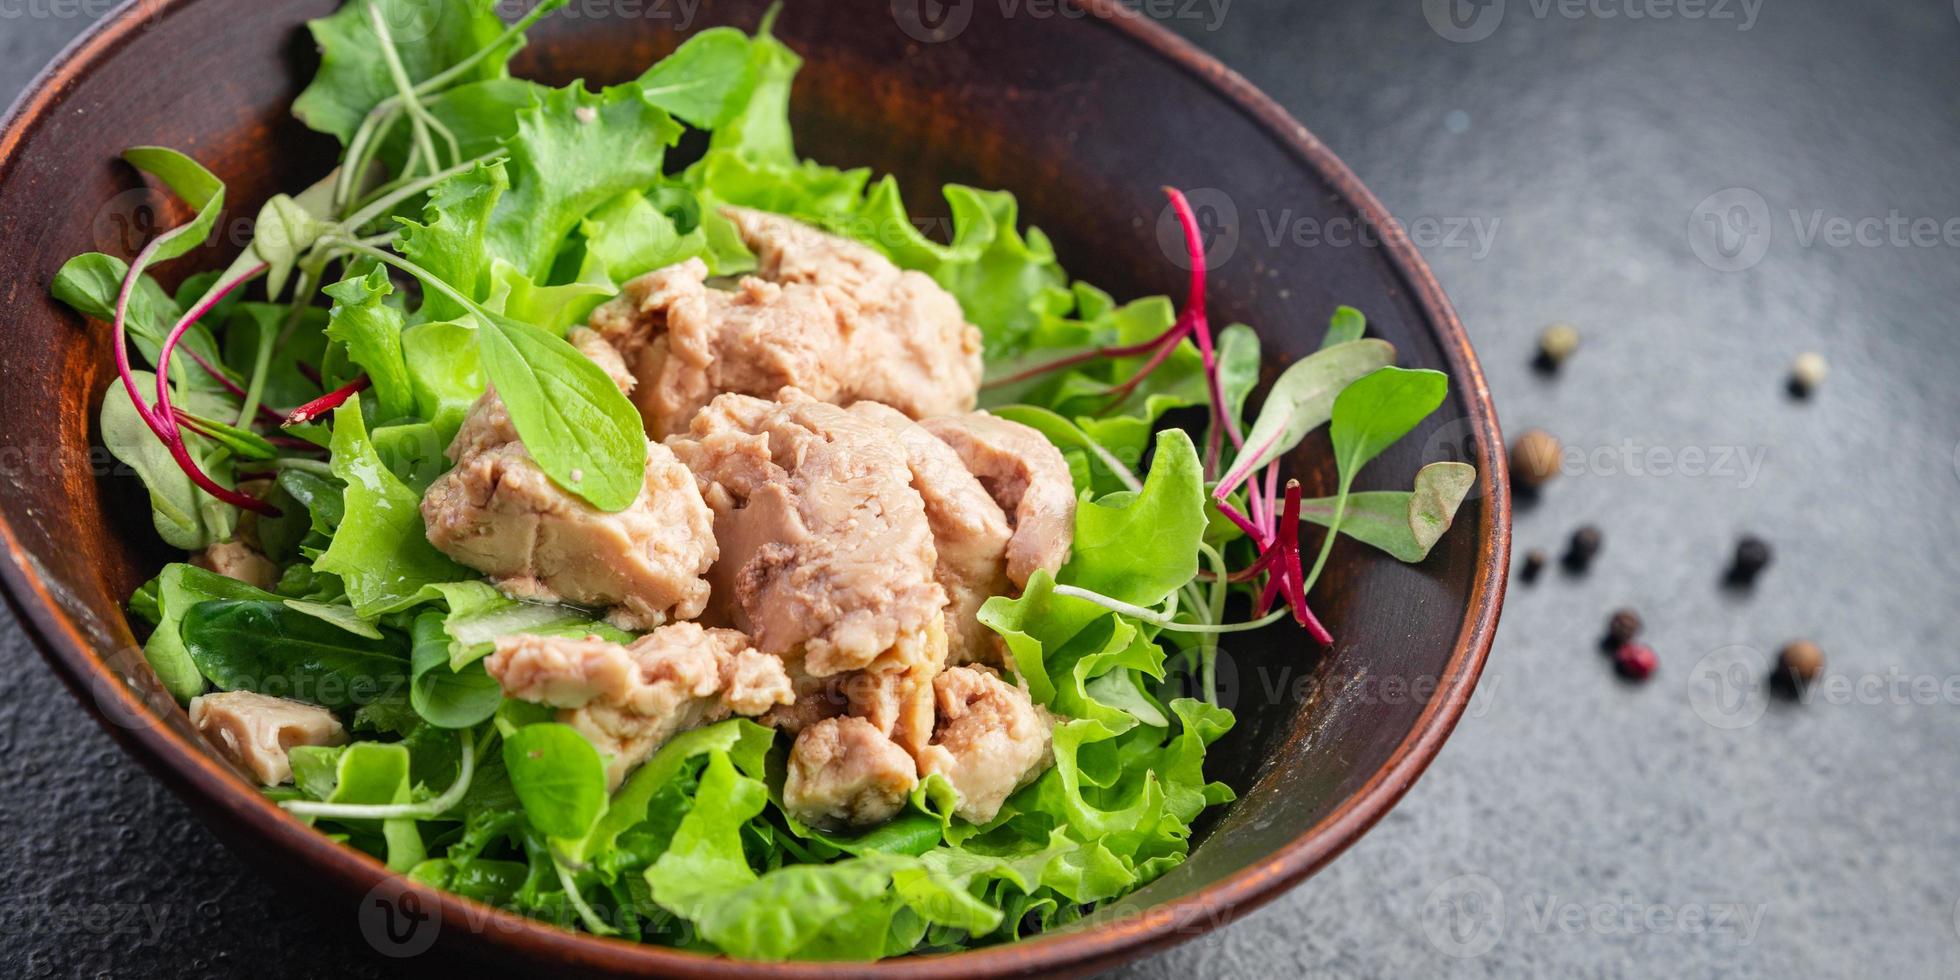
[(428, 37), (380, 549)]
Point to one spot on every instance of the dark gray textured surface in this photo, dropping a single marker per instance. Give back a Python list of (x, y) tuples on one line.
[(1575, 825)]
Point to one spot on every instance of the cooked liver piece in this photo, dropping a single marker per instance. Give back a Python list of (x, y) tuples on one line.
[(237, 560), (989, 740), (969, 532), (824, 315), (844, 773), (1027, 476), (826, 554), (627, 700), (498, 513), (256, 731)]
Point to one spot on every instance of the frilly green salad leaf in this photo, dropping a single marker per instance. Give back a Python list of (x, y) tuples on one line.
[(311, 389)]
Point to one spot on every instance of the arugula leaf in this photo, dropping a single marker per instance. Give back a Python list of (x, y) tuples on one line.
[(1141, 547), (706, 80), (429, 37), (1403, 523), (271, 648), (380, 549), (176, 589), (572, 418), (447, 697), (1302, 400), (558, 776), (371, 329)]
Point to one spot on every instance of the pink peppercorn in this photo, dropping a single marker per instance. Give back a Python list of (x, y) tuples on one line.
[(1636, 661)]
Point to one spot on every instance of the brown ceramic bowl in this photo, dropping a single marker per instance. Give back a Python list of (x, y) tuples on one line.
[(1084, 117)]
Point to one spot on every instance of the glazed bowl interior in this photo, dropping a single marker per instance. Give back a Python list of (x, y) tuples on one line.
[(1084, 117)]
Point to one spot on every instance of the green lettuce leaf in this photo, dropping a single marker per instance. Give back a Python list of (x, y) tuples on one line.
[(380, 549)]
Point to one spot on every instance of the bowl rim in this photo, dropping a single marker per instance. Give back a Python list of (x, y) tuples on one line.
[(168, 752)]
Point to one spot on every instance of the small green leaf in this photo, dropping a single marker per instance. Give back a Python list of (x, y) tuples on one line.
[(380, 548), (268, 647), (371, 329), (1302, 400), (1403, 523), (705, 80), (448, 697), (1375, 411), (558, 776), (1141, 547), (173, 498), (1347, 326), (572, 418)]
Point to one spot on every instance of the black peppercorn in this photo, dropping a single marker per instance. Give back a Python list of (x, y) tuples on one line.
[(1584, 548), (1534, 562), (1622, 628), (1752, 554)]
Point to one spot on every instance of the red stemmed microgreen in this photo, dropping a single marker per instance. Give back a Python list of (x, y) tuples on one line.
[(1275, 530), (326, 403)]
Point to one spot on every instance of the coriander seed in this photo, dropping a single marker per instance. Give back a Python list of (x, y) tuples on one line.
[(1558, 342), (1535, 458), (1807, 373), (1800, 663)]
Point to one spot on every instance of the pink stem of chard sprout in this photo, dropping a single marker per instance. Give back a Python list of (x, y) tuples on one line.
[(327, 402), (160, 418)]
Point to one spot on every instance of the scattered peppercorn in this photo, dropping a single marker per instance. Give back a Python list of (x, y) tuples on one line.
[(1534, 562), (1807, 373), (1752, 555), (1622, 628), (1800, 663), (1636, 661), (1584, 548), (1535, 458), (1558, 342)]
